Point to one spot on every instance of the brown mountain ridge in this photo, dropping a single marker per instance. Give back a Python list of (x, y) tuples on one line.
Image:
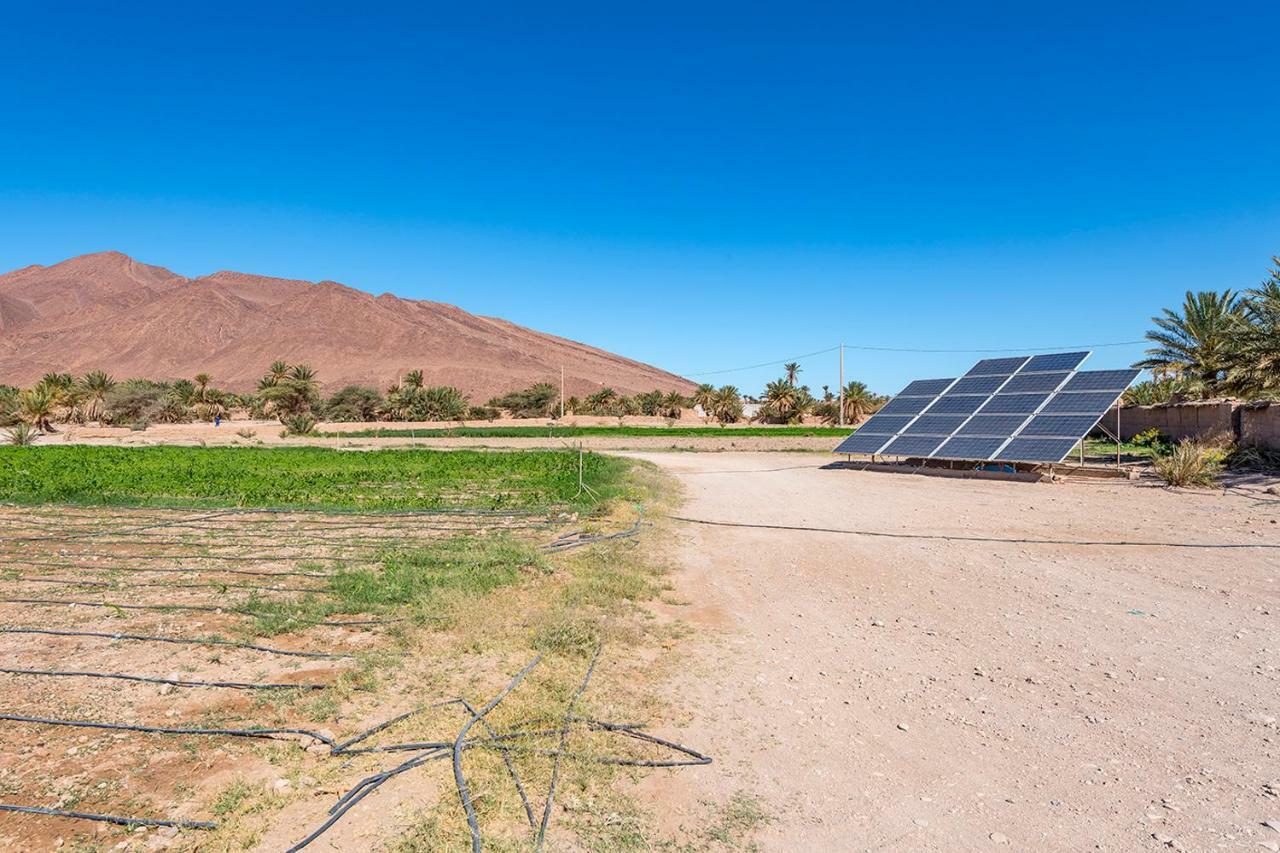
[(106, 311)]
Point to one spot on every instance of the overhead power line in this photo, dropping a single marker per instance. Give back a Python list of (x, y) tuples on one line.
[(926, 350)]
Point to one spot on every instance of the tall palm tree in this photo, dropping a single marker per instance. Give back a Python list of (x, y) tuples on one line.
[(780, 399), (673, 404), (793, 370), (858, 401), (727, 405), (1255, 361), (95, 385), (704, 395), (36, 405), (278, 370), (202, 386), (1196, 342), (413, 379)]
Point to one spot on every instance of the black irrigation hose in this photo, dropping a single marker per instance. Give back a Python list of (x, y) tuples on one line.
[(564, 736), (177, 682), (510, 764), (139, 585), (106, 818), (151, 638), (165, 730), (230, 558), (564, 543), (463, 793), (424, 512), (166, 570), (199, 608), (946, 537)]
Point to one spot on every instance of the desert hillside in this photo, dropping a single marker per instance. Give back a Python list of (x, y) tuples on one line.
[(106, 311)]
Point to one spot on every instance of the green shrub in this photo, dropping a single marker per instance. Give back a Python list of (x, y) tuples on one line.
[(482, 413), (300, 424), (1190, 463), (22, 435), (536, 401), (1150, 438)]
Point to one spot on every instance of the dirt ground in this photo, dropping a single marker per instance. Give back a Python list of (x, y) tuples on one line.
[(910, 693)]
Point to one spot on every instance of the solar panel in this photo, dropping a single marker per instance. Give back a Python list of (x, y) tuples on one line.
[(1063, 426), (881, 424), (996, 366), (906, 405), (1054, 361), (1036, 450), (1101, 380), (969, 447), (914, 445), (1023, 409), (1002, 425), (1079, 404), (862, 443), (932, 424), (1027, 383), (957, 404), (926, 388), (1014, 404), (978, 384)]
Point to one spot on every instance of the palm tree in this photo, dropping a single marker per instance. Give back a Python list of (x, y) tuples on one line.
[(278, 370), (793, 371), (858, 401), (1196, 342), (413, 379), (202, 386), (673, 404), (95, 386), (1255, 362), (704, 395), (780, 399), (37, 405), (727, 405)]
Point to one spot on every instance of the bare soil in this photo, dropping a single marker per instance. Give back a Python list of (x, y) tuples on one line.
[(999, 693)]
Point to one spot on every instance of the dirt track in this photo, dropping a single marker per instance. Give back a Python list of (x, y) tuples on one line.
[(926, 694)]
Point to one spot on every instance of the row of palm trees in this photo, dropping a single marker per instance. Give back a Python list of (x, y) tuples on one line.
[(1218, 344)]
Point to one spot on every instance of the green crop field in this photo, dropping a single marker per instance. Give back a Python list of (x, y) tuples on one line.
[(593, 431), (300, 477)]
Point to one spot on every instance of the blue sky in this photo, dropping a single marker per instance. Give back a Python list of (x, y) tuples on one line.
[(700, 186)]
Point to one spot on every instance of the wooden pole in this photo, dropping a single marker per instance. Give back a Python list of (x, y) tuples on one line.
[(841, 414)]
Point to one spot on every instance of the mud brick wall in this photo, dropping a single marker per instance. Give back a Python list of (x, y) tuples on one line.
[(1259, 425), (1177, 420)]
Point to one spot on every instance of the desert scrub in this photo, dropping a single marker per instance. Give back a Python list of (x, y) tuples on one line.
[(303, 477), (1190, 463)]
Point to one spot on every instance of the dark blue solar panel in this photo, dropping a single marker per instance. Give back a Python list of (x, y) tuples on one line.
[(913, 445), (905, 405), (1065, 426), (978, 384), (968, 447), (932, 424), (1054, 361), (926, 388), (1094, 402), (1004, 425), (1102, 380), (1036, 450), (885, 424), (957, 404), (997, 366), (860, 442), (1028, 383), (1013, 404)]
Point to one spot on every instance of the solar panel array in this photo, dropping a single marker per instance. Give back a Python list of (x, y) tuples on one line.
[(1022, 409)]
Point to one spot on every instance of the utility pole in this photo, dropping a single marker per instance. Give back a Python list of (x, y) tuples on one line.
[(562, 392), (841, 384)]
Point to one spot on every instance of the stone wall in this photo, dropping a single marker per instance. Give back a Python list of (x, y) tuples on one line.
[(1257, 423), (1260, 425)]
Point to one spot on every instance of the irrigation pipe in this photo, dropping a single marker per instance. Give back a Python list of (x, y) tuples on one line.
[(152, 638), (106, 818), (566, 544), (223, 587), (199, 608), (176, 682), (167, 730), (945, 537), (463, 793), (166, 570), (564, 736)]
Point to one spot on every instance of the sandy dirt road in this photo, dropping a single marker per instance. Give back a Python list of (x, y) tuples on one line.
[(883, 693)]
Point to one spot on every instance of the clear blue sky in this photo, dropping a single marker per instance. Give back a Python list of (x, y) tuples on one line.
[(700, 186)]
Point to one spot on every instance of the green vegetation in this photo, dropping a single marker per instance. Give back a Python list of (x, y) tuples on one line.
[(300, 477), (586, 431), (1217, 344), (1190, 463)]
